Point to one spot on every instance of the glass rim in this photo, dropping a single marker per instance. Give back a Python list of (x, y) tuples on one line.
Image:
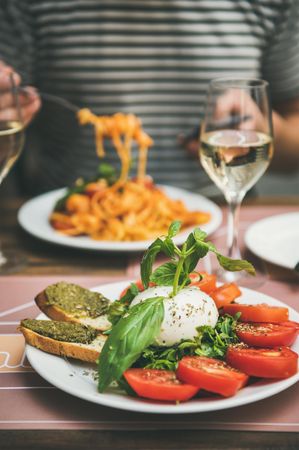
[(238, 82)]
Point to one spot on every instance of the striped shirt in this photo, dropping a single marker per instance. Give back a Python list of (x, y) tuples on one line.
[(153, 58)]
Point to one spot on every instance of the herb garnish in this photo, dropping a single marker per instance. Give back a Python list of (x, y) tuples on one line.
[(105, 172), (134, 329), (183, 261)]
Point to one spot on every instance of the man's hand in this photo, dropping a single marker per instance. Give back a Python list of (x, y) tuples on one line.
[(29, 100)]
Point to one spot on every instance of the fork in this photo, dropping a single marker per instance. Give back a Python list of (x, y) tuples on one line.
[(53, 98)]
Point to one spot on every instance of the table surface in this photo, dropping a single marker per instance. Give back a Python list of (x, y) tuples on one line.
[(46, 259)]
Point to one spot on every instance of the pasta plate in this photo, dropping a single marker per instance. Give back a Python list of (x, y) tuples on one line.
[(34, 214)]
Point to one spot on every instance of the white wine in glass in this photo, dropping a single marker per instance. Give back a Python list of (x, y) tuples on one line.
[(11, 145), (236, 147)]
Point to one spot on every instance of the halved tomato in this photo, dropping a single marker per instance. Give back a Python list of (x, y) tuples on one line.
[(211, 374), (280, 362), (159, 385), (225, 294), (291, 324), (258, 313), (205, 281), (266, 334)]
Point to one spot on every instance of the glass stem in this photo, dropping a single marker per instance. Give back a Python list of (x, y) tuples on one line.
[(234, 204)]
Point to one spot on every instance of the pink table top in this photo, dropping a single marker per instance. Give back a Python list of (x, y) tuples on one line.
[(29, 402)]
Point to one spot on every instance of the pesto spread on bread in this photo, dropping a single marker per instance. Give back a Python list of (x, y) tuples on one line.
[(76, 300), (61, 331)]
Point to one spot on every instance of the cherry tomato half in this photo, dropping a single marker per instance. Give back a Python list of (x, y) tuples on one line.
[(159, 385), (205, 281), (258, 313), (225, 294), (211, 374), (291, 323), (280, 362), (266, 334)]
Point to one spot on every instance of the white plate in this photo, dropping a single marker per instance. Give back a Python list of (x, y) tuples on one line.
[(33, 217), (276, 239), (71, 377)]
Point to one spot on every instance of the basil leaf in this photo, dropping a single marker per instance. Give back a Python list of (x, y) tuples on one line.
[(234, 265), (148, 261), (60, 204), (168, 247), (199, 235), (106, 170), (128, 338), (174, 228), (200, 250), (164, 274)]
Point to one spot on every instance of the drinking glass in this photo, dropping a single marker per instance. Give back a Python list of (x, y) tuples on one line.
[(11, 144), (236, 147)]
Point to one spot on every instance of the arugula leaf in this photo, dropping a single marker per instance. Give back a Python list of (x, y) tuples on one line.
[(209, 342), (119, 307), (116, 310), (164, 274), (131, 293), (215, 341), (234, 265), (135, 331), (148, 261)]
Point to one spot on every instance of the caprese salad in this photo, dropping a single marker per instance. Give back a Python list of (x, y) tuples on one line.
[(175, 332)]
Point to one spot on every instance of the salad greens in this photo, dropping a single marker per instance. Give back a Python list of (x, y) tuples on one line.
[(105, 171), (134, 329), (210, 342)]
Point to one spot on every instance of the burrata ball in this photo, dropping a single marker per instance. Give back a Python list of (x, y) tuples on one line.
[(183, 313)]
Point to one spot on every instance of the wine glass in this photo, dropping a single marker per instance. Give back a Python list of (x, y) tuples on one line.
[(236, 147), (11, 145)]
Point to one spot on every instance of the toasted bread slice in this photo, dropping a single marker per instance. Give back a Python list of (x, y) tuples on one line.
[(56, 312), (84, 352)]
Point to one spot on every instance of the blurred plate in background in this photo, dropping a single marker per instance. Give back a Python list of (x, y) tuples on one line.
[(34, 215), (276, 239)]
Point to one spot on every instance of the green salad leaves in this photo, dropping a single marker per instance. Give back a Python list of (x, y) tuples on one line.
[(134, 329), (210, 342)]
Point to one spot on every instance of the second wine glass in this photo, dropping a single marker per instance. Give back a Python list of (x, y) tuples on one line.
[(236, 147), (11, 145)]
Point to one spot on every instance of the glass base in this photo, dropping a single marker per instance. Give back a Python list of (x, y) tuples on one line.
[(11, 262)]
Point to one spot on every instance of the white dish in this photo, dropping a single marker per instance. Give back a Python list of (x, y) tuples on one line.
[(70, 376), (33, 217), (276, 239)]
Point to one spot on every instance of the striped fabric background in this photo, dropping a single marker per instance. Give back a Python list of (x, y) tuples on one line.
[(153, 58)]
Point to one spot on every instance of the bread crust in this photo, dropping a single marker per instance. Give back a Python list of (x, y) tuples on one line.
[(72, 350), (56, 313)]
